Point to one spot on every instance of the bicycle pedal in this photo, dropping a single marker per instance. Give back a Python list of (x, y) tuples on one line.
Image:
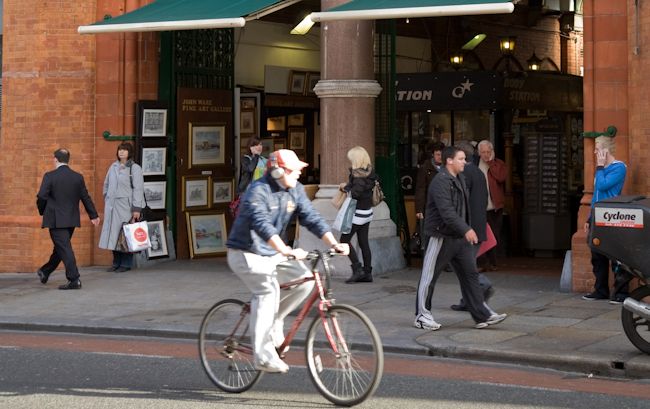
[(282, 353)]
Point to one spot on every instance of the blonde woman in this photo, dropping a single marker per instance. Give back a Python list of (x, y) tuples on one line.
[(361, 181)]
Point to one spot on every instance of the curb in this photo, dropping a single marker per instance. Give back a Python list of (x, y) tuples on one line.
[(571, 363)]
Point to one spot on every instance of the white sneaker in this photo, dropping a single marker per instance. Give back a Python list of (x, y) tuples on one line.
[(273, 366), (424, 322), (492, 320)]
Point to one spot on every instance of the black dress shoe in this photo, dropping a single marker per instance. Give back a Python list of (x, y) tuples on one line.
[(459, 307), (112, 268), (71, 285), (43, 277), (122, 269)]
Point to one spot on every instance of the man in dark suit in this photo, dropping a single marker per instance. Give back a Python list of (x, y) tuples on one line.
[(478, 194), (58, 203)]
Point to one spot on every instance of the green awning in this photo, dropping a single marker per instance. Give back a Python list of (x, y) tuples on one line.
[(386, 9), (168, 15)]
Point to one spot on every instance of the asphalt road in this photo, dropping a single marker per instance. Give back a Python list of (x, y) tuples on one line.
[(41, 370)]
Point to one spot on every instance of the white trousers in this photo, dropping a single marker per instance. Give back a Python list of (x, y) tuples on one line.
[(262, 275)]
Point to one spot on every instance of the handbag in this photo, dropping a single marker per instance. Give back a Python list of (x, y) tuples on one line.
[(121, 244), (416, 240), (137, 236), (377, 194), (339, 198), (343, 221)]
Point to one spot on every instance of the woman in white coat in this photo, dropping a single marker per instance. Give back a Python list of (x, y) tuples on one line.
[(123, 202)]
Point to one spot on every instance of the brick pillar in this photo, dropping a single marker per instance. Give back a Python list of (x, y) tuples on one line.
[(127, 71), (47, 101), (605, 103), (52, 86)]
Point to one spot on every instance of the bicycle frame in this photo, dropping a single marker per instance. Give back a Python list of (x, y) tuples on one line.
[(317, 295), (324, 302)]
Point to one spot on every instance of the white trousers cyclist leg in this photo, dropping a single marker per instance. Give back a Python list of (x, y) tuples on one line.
[(259, 274), (291, 298)]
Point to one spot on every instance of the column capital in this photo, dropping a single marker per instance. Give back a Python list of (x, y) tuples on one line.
[(347, 88)]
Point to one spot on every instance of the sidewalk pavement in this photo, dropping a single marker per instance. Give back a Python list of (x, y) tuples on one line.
[(545, 327)]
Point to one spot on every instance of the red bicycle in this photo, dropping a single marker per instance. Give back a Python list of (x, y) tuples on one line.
[(344, 353)]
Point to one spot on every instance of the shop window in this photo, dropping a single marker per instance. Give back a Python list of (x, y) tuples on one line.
[(471, 125)]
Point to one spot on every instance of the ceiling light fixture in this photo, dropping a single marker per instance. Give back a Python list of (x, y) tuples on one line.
[(476, 40), (304, 26)]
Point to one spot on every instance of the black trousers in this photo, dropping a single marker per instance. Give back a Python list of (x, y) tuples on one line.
[(361, 230), (121, 259), (62, 252), (600, 264), (462, 256)]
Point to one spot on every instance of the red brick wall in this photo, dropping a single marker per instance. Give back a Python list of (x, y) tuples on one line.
[(606, 89), (638, 178), (50, 77)]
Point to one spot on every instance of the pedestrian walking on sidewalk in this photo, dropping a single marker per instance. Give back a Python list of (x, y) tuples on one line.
[(448, 223), (123, 203), (360, 184), (495, 172), (608, 182), (478, 194), (58, 202)]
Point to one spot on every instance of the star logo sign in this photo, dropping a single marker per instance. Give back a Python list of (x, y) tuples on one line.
[(459, 91)]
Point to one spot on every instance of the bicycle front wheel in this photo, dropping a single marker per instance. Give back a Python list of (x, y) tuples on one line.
[(345, 357), (225, 346)]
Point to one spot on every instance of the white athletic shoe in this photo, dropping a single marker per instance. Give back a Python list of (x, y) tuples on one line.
[(424, 322), (492, 320), (273, 366)]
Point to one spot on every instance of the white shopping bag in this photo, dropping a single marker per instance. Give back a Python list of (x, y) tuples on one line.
[(343, 221), (137, 236)]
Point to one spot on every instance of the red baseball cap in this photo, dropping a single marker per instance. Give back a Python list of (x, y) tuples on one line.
[(285, 158)]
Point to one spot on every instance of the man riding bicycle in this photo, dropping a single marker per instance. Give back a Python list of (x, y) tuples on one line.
[(255, 248)]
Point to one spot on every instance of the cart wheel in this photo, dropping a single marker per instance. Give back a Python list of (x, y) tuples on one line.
[(637, 328)]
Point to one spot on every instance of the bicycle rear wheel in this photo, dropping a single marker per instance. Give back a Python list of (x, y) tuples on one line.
[(225, 346), (350, 374)]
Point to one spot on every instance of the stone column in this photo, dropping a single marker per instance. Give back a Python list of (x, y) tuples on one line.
[(347, 92)]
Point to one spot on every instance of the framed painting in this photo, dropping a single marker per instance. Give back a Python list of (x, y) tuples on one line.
[(296, 120), (222, 191), (154, 194), (207, 234), (154, 122), (297, 138), (206, 144), (196, 192), (153, 161), (297, 81), (247, 123), (247, 103), (276, 123), (278, 144), (158, 239), (312, 80)]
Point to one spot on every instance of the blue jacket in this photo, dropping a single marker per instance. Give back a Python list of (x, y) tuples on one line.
[(608, 181), (267, 209)]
